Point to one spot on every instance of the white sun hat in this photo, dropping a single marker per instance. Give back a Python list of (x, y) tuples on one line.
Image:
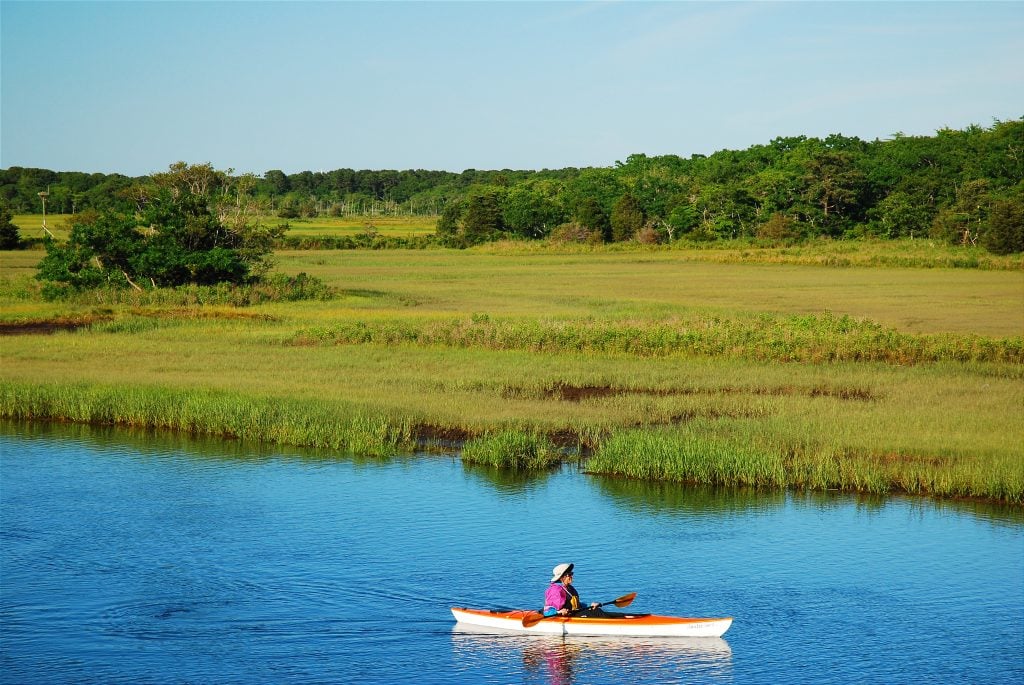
[(559, 571)]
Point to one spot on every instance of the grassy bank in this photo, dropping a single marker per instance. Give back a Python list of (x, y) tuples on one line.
[(649, 365), (753, 458)]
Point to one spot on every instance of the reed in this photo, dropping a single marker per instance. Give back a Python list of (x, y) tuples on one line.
[(333, 425), (697, 455), (513, 449)]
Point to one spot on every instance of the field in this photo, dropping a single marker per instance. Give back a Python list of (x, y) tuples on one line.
[(771, 368), (30, 226), (340, 226)]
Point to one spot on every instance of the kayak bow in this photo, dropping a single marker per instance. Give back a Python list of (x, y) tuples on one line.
[(637, 625)]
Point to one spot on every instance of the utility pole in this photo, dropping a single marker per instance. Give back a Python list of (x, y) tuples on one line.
[(42, 196)]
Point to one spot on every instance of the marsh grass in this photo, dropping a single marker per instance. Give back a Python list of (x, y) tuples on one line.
[(513, 449), (660, 365), (273, 288), (696, 455), (334, 425), (351, 226), (900, 253), (815, 339)]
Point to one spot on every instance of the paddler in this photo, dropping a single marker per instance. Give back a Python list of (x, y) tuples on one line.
[(562, 598)]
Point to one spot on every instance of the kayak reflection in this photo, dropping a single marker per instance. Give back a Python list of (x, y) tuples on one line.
[(560, 660)]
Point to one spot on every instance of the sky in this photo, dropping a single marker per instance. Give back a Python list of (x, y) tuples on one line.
[(131, 87)]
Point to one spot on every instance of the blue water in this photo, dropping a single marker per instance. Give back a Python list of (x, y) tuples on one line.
[(145, 558)]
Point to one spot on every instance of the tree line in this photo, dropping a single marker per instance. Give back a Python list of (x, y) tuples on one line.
[(961, 186)]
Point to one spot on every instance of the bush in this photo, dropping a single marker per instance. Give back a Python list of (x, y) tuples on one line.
[(273, 288), (647, 236), (779, 227), (573, 232)]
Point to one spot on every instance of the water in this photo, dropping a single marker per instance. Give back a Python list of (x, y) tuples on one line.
[(142, 558)]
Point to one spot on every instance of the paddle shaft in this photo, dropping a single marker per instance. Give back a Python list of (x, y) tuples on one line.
[(623, 601)]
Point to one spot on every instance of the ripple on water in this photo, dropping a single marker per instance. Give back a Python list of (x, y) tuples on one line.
[(141, 559)]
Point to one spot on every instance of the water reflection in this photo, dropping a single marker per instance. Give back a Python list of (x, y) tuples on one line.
[(651, 497), (155, 442), (556, 660), (645, 497), (506, 481)]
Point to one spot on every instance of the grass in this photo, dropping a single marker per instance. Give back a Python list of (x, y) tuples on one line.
[(514, 449), (807, 338), (210, 412), (350, 226), (753, 459), (30, 226), (885, 379)]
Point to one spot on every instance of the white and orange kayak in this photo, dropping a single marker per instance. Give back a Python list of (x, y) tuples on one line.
[(636, 625)]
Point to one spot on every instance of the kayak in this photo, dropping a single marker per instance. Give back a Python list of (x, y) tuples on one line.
[(635, 625)]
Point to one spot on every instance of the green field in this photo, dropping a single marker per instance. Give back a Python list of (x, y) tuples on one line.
[(341, 226), (764, 369), (30, 226)]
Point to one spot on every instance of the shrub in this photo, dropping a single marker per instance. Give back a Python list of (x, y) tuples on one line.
[(573, 232)]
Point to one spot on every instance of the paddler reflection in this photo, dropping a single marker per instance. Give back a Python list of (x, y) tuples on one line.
[(555, 657), (558, 660)]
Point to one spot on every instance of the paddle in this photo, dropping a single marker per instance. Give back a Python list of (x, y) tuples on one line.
[(535, 617)]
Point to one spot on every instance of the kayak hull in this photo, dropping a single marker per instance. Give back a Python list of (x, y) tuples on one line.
[(627, 625)]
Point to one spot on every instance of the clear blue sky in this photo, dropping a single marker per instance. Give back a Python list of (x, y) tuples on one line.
[(132, 87)]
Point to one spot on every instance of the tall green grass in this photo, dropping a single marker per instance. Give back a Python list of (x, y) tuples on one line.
[(514, 449), (282, 421), (808, 338), (694, 455)]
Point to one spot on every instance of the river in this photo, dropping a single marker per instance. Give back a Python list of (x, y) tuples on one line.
[(137, 557)]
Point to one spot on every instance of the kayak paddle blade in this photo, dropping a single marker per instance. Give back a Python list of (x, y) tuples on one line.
[(624, 600), (532, 619)]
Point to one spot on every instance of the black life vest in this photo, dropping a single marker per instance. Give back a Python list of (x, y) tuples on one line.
[(572, 602)]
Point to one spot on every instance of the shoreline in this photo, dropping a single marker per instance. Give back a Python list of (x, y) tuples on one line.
[(718, 463)]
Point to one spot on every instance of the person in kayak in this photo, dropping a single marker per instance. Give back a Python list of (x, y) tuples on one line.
[(561, 597)]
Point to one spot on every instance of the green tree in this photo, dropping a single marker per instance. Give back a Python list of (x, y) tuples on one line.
[(530, 212), (450, 222), (481, 220), (10, 239), (627, 218), (196, 226), (834, 188), (101, 249), (681, 220), (900, 214), (963, 222), (590, 215), (726, 211), (1005, 231)]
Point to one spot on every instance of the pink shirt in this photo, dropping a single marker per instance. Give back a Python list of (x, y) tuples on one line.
[(556, 597)]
